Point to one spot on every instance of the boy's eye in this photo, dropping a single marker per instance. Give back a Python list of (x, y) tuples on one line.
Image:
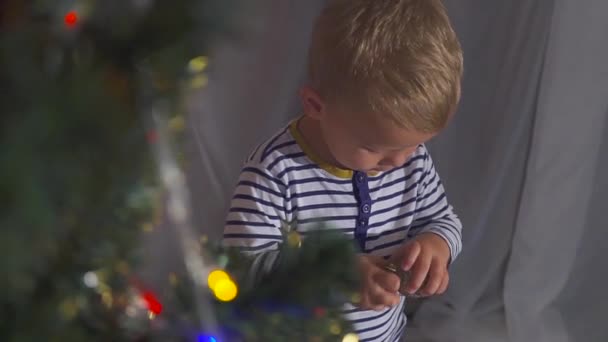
[(369, 149)]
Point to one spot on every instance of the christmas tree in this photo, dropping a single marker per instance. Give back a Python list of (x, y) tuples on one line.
[(91, 104)]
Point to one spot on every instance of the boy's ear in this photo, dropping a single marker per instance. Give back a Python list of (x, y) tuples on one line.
[(312, 102)]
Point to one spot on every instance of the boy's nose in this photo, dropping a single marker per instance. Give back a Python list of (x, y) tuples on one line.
[(393, 161)]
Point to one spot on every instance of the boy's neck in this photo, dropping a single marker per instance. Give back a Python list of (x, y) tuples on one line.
[(310, 130)]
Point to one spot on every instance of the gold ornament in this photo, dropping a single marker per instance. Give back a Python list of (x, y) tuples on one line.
[(404, 277), (294, 239)]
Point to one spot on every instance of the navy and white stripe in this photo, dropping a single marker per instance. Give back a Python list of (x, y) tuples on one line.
[(280, 184)]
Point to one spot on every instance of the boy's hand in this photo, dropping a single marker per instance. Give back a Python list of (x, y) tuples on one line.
[(426, 257), (379, 288)]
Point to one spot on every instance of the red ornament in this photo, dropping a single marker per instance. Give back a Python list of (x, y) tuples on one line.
[(151, 136), (71, 19), (320, 311), (152, 303)]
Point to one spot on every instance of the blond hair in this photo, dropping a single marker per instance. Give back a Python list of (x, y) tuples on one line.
[(395, 57)]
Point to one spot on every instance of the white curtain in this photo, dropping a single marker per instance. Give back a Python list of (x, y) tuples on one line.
[(524, 162)]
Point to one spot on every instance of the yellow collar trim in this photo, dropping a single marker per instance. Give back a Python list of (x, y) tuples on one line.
[(334, 170)]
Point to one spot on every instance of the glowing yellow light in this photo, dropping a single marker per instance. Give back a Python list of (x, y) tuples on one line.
[(334, 328), (177, 123), (173, 279), (350, 338), (147, 227), (199, 81), (106, 298), (69, 308), (225, 290), (216, 276), (198, 64)]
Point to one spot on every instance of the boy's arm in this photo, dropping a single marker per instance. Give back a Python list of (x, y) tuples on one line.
[(433, 213), (254, 221)]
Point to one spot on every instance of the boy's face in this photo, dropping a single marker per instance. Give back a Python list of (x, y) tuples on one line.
[(365, 142)]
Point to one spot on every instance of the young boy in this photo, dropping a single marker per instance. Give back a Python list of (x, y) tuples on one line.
[(384, 78)]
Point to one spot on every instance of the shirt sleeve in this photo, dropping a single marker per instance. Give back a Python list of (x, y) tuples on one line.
[(254, 220), (433, 212)]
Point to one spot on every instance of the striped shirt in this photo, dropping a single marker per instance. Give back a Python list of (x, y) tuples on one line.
[(283, 182)]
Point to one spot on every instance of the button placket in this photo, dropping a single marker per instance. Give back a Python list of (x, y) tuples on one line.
[(365, 208), (364, 205)]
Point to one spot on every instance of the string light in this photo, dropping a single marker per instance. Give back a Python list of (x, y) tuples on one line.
[(207, 338), (71, 19), (147, 227), (90, 279), (106, 298), (152, 136), (69, 308), (222, 286), (152, 303), (198, 64), (350, 337), (177, 123), (319, 311), (214, 277), (225, 290), (199, 81), (173, 280), (334, 328)]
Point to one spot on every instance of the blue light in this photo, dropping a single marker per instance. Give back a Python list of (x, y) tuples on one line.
[(207, 338)]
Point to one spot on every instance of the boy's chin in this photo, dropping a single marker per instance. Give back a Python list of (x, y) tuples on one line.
[(376, 170)]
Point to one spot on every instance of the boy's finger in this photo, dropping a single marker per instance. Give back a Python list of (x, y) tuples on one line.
[(444, 283), (380, 297), (410, 255), (364, 303), (388, 281), (418, 273), (433, 279)]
